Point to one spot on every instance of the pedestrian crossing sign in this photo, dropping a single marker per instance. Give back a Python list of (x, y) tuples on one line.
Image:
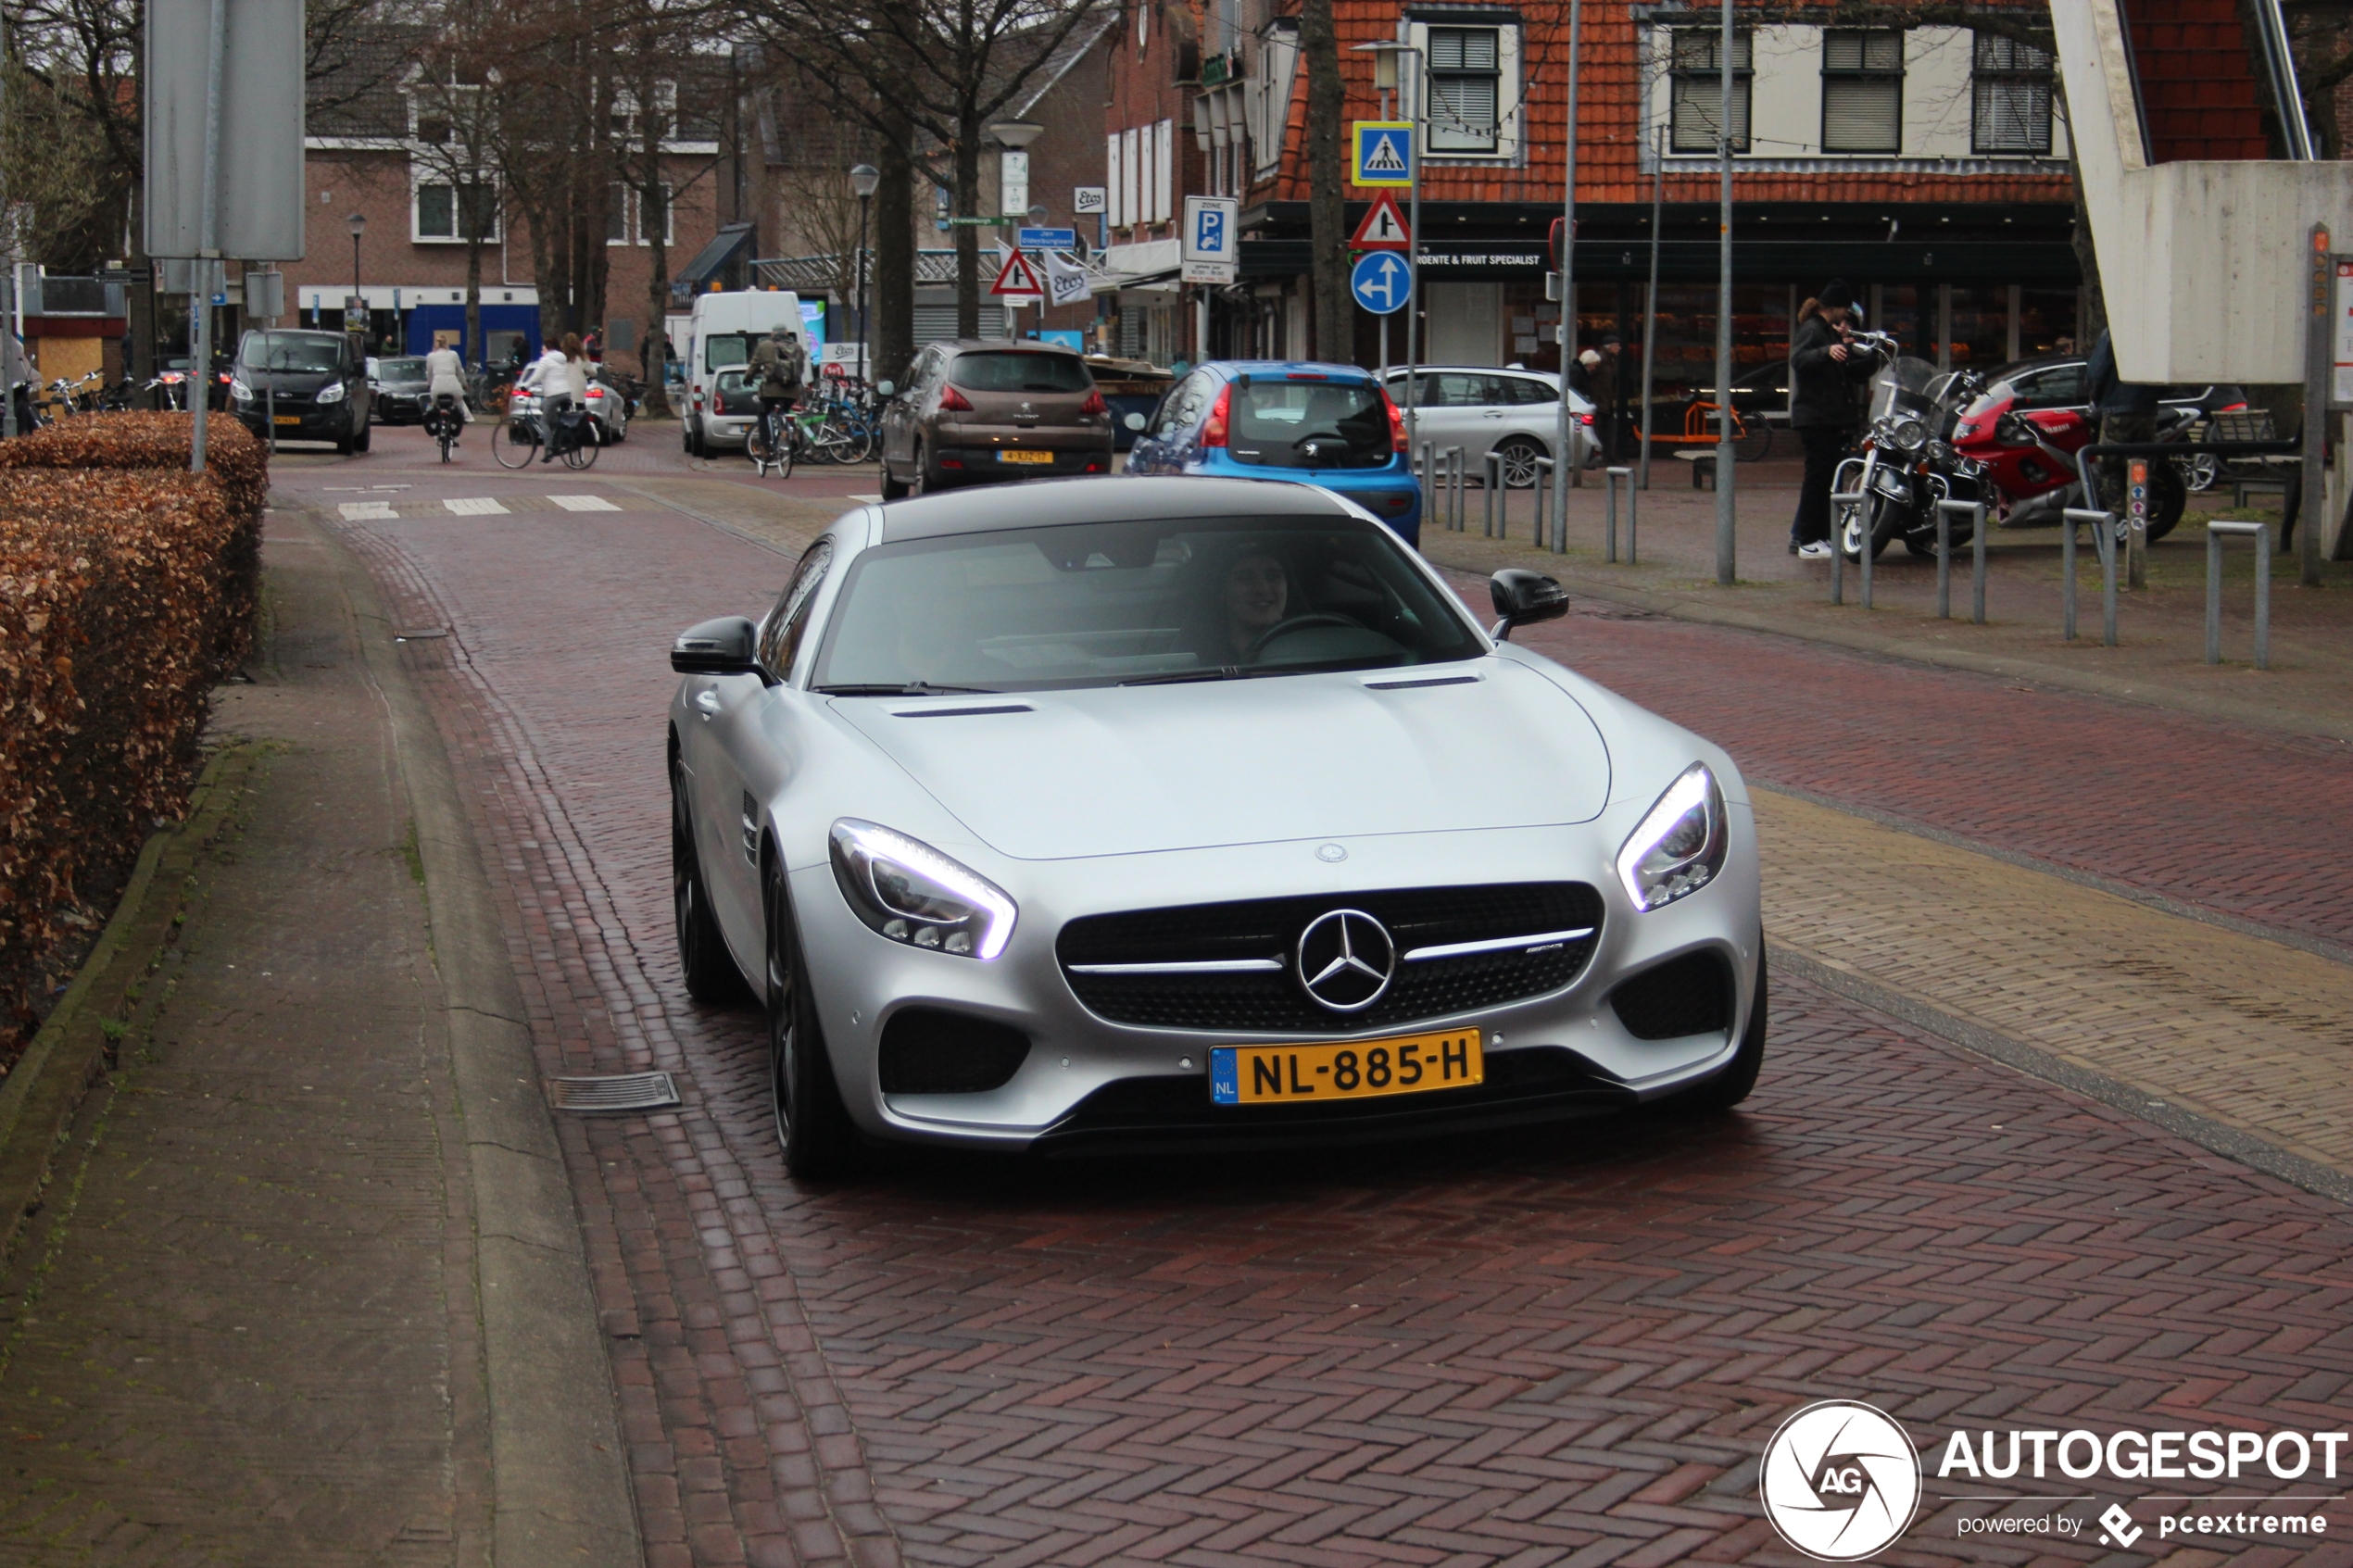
[(1384, 152)]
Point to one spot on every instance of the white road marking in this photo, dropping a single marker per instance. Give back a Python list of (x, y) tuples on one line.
[(368, 512), (584, 503), (475, 506)]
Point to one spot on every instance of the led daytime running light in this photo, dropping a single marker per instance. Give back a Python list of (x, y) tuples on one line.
[(1652, 886)]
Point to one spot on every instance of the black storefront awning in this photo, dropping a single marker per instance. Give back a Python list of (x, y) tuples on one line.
[(731, 245), (2042, 263)]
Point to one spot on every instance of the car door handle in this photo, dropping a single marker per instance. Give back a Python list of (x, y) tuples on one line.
[(707, 703)]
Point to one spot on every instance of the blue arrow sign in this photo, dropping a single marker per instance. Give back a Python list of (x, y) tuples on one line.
[(1050, 239), (1381, 281)]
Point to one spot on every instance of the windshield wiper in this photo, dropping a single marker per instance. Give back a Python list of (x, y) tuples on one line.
[(1223, 672), (913, 688)]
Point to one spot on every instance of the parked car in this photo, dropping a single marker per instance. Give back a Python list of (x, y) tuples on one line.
[(1513, 413), (722, 332), (319, 382), (976, 410), (1130, 387), (399, 386), (1327, 425), (1149, 814)]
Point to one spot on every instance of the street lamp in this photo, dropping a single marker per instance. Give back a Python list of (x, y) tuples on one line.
[(1385, 53), (358, 224), (1014, 135), (863, 179)]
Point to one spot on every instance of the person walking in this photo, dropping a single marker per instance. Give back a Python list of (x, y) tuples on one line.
[(1825, 368), (1609, 401)]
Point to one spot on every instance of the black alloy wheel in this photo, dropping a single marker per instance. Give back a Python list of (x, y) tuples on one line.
[(818, 1139), (710, 973)]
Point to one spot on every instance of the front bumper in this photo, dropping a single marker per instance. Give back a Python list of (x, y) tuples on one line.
[(1086, 1083), (332, 422), (399, 408)]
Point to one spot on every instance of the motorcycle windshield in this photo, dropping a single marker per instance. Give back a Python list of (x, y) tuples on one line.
[(1902, 387)]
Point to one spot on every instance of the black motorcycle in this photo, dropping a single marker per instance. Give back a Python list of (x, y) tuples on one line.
[(1904, 464)]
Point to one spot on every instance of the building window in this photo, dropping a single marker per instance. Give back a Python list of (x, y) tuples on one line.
[(1465, 81), (447, 211), (617, 216), (1862, 91), (2011, 89), (1699, 88)]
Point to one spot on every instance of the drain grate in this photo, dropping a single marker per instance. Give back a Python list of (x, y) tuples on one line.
[(626, 1091)]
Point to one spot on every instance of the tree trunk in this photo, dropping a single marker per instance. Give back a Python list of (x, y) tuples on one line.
[(473, 345), (968, 198), (893, 330), (1327, 216)]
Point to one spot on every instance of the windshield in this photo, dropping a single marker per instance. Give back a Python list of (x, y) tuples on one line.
[(728, 348), (1100, 603), (1310, 425), (291, 351), (400, 370), (1901, 387), (1020, 373)]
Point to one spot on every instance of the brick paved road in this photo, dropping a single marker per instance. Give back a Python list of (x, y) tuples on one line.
[(1514, 1353)]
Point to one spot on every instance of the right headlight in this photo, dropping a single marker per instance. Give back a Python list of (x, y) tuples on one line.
[(912, 893), (1680, 845), (239, 390)]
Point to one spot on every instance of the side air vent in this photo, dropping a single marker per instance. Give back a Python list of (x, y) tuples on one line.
[(1692, 995), (934, 1051)]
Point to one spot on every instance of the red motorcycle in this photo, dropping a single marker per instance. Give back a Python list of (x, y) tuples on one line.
[(2028, 458)]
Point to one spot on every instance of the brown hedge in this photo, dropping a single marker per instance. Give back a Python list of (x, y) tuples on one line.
[(236, 463), (127, 589)]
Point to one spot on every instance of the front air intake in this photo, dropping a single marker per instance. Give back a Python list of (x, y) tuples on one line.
[(934, 1051), (1692, 995)]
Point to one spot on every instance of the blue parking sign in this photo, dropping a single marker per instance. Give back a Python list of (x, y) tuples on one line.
[(1209, 231), (1381, 281)]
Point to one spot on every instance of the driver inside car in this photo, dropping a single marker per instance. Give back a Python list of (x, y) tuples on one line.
[(1257, 591)]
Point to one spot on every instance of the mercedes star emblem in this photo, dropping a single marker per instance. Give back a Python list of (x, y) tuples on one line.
[(1346, 960)]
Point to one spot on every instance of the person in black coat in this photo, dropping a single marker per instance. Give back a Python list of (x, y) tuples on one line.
[(1826, 368)]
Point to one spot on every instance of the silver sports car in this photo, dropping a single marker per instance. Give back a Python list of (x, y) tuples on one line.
[(1131, 813)]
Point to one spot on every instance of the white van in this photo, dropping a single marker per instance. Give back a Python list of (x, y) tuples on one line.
[(720, 335)]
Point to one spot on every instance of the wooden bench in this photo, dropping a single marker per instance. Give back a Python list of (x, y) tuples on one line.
[(1703, 463)]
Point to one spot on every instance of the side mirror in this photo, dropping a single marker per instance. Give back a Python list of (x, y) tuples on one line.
[(885, 389), (1134, 422), (1522, 598), (725, 647)]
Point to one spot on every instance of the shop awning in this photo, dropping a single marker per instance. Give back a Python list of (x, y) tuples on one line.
[(732, 243)]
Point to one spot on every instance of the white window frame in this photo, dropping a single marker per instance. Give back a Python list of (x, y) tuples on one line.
[(1984, 78), (1114, 195), (1510, 81), (1164, 171), (1743, 87), (419, 178)]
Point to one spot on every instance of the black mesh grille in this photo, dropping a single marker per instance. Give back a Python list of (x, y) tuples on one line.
[(934, 1051), (1273, 1003), (1692, 995)]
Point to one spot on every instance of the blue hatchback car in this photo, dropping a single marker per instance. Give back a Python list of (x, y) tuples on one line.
[(1327, 425)]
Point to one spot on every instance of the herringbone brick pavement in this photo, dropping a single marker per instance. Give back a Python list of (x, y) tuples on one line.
[(1557, 1349)]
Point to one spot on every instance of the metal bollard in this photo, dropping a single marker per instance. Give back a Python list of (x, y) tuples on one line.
[(1489, 488), (1838, 535), (1975, 511), (1609, 540), (1428, 480), (2261, 533), (1454, 488), (1977, 566), (2103, 539), (1544, 472)]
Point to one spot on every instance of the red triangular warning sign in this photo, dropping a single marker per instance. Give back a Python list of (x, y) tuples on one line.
[(1016, 276), (1383, 227)]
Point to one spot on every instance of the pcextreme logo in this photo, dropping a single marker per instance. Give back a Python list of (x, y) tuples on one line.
[(1841, 1480)]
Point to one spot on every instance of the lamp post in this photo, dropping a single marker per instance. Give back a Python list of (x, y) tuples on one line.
[(358, 224), (863, 180), (1385, 53)]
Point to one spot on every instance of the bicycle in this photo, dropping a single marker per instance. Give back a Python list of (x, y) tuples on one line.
[(443, 423), (514, 440), (773, 440)]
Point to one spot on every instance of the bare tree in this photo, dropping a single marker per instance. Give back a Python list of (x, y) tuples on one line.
[(1327, 216)]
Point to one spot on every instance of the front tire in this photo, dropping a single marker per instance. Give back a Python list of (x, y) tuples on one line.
[(1519, 460), (703, 959), (814, 1129)]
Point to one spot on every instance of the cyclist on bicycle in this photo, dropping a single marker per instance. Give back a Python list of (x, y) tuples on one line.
[(779, 364), (560, 376), (445, 373)]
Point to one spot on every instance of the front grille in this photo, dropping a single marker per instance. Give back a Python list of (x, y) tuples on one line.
[(935, 1051), (1692, 995), (1272, 1001)]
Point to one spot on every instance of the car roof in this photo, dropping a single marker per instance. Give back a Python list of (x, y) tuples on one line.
[(1229, 369), (1049, 503), (1476, 371), (999, 344)]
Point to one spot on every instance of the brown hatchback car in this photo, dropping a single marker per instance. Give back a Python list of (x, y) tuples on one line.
[(977, 410)]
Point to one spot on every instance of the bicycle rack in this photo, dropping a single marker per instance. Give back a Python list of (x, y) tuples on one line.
[(1609, 539), (2104, 537), (1975, 511), (1492, 488), (2261, 533)]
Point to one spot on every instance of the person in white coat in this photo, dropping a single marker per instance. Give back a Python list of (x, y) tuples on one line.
[(559, 378), (446, 373)]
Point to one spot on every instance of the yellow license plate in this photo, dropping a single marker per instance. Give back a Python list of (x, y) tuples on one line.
[(1407, 1064), (1046, 458), (290, 419)]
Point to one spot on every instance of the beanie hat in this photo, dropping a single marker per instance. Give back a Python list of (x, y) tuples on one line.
[(1836, 295)]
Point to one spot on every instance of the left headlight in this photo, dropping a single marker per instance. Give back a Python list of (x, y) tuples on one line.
[(331, 393), (912, 893), (1680, 845)]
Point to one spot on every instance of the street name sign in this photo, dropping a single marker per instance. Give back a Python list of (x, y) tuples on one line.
[(1381, 281), (1384, 152), (1383, 227), (1048, 239)]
